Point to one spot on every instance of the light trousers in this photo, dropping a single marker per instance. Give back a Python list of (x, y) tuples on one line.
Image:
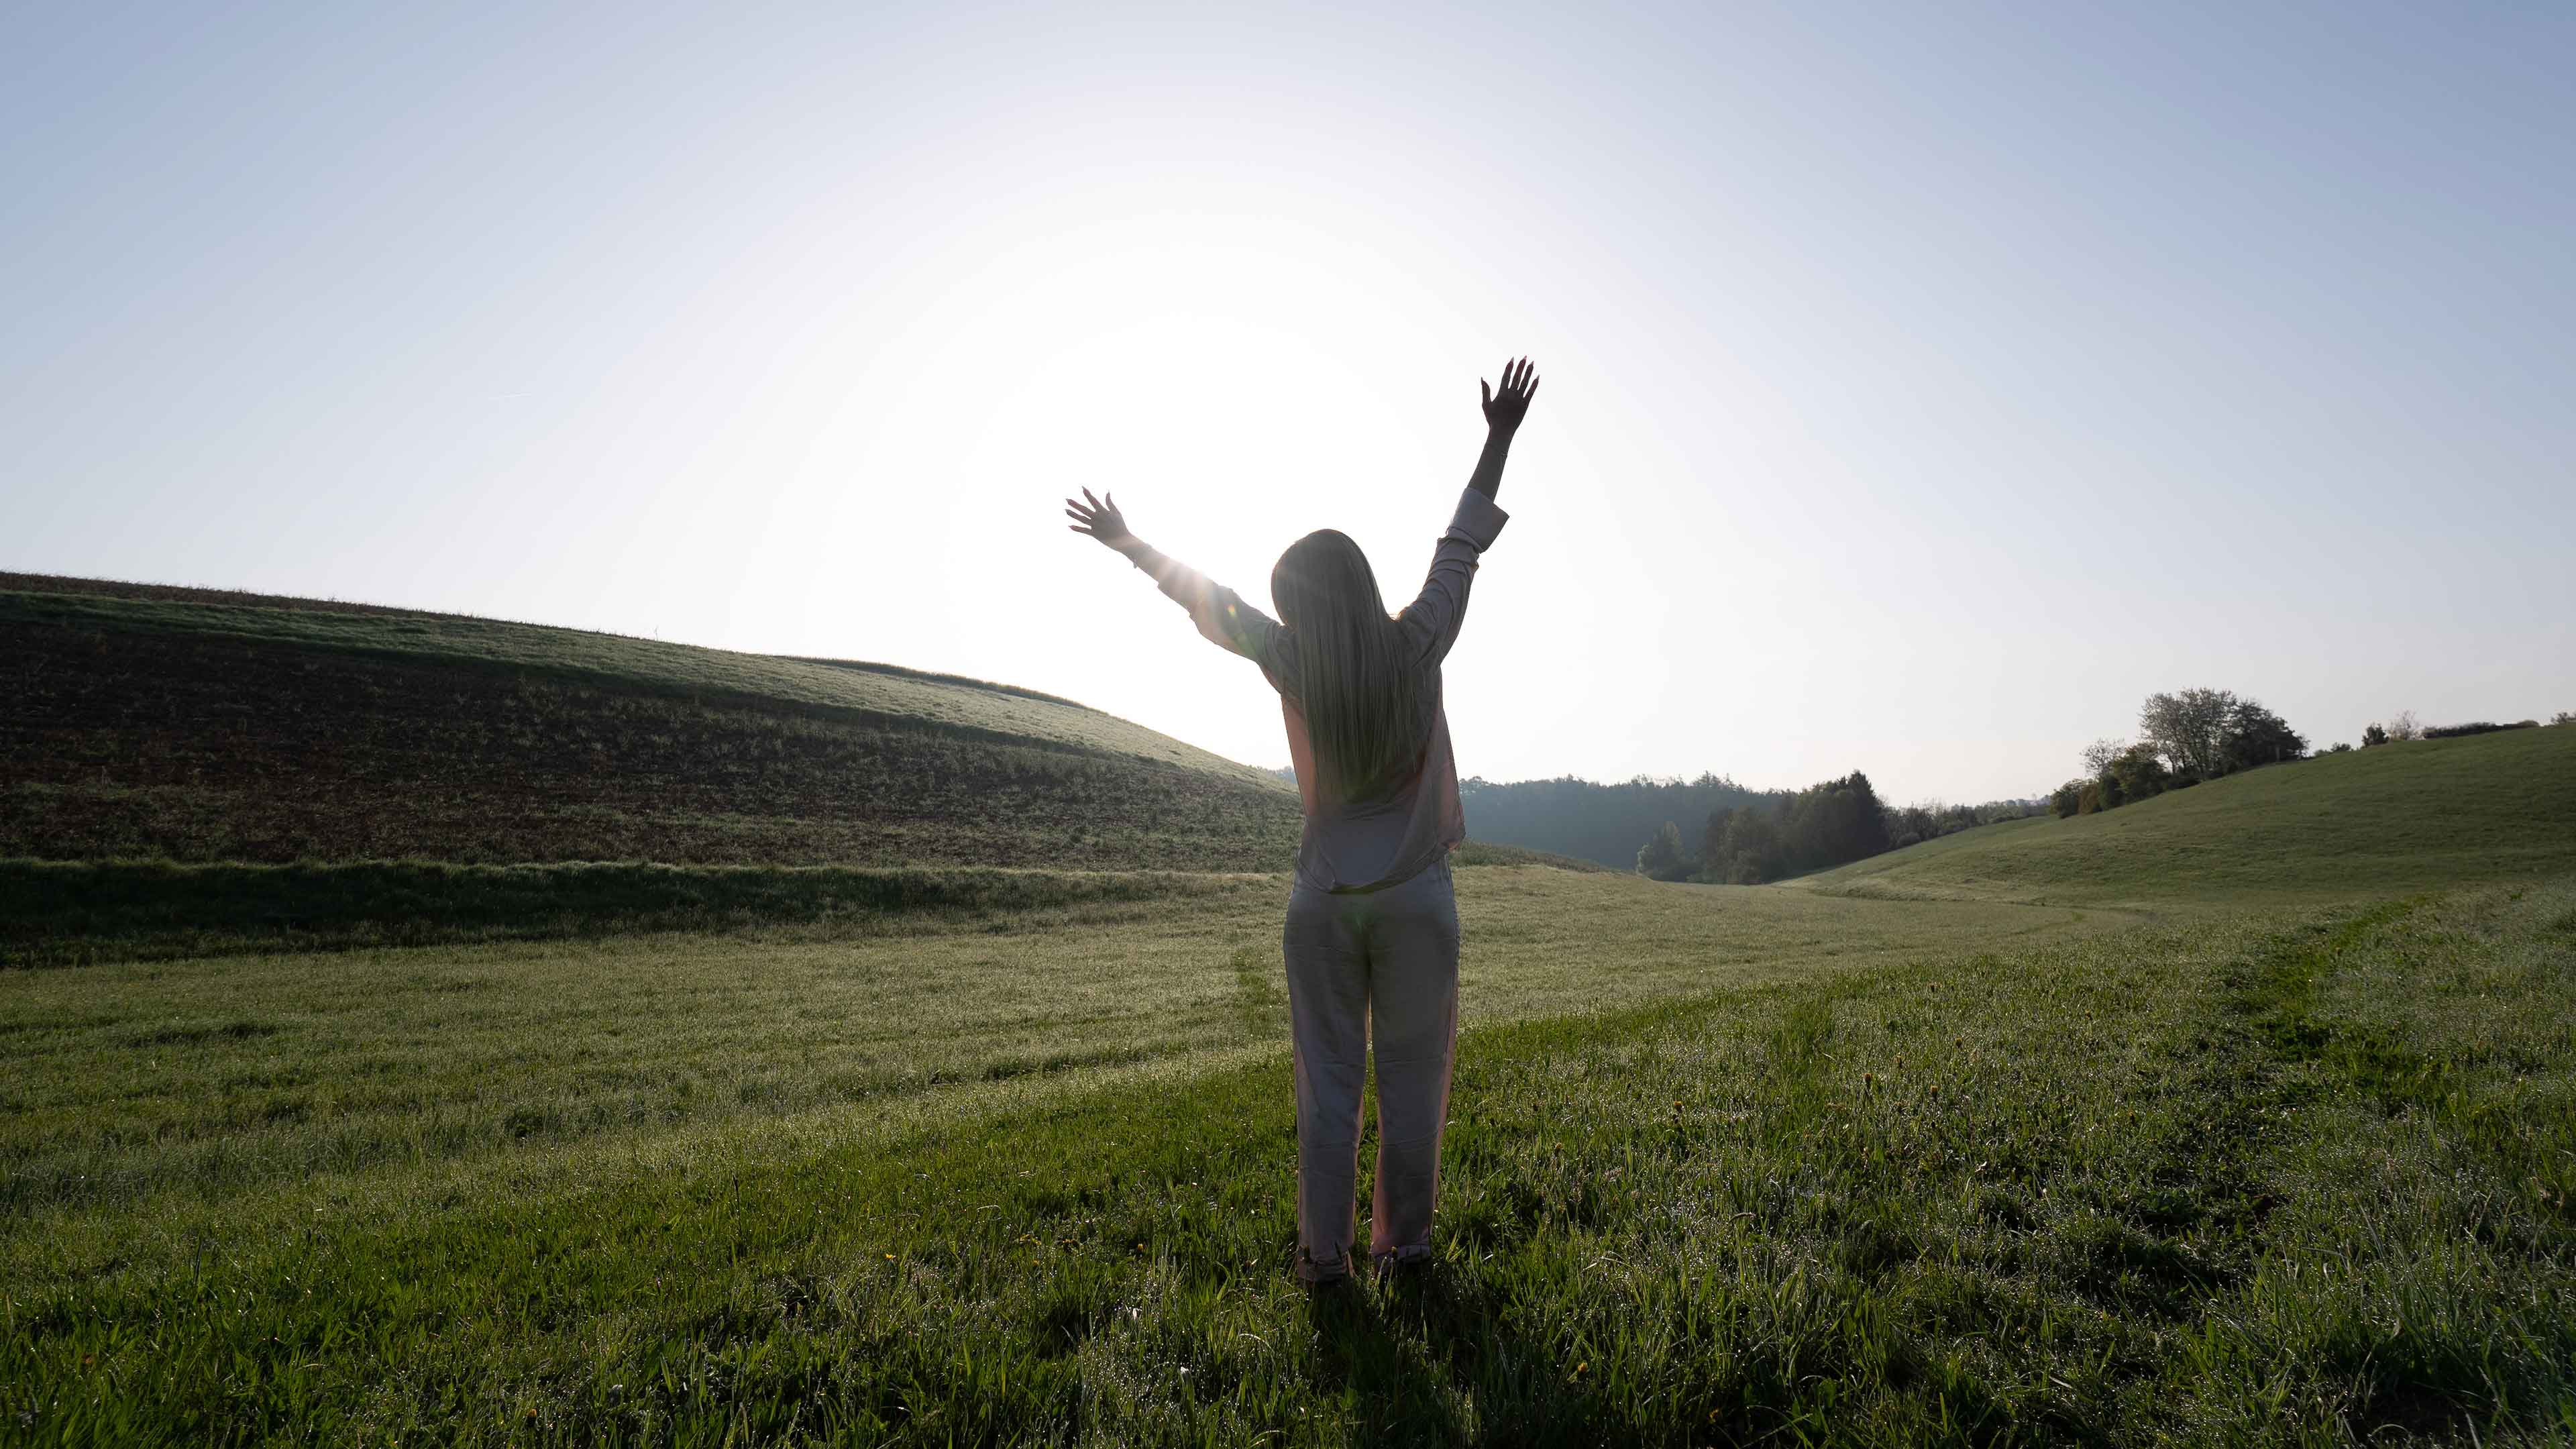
[(1387, 959)]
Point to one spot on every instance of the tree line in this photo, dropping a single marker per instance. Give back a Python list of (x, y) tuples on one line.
[(2403, 726), (1591, 820), (1830, 823), (2193, 735)]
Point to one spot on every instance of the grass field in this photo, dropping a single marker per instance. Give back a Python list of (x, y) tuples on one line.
[(1853, 1171), (258, 1069), (2242, 1116)]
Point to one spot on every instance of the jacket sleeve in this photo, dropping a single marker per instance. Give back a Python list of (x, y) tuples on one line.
[(1220, 613), (1431, 621)]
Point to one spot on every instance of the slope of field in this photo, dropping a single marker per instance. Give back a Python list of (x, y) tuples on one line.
[(2399, 817), (278, 730), (875, 693)]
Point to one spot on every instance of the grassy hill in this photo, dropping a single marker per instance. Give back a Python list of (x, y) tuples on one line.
[(199, 725), (866, 1152), (2404, 817)]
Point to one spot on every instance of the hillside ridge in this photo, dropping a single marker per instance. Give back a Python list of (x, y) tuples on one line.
[(191, 724), (694, 670), (2415, 815)]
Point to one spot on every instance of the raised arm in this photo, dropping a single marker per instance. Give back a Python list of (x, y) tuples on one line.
[(1432, 620), (1219, 612), (1503, 414)]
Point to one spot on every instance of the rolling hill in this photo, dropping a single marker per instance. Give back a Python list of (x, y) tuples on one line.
[(808, 1147), (2419, 815), (201, 725)]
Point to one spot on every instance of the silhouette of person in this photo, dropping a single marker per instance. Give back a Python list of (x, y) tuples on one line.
[(1372, 927)]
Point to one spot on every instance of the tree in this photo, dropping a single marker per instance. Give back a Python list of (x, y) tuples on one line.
[(1661, 858), (2099, 755), (2564, 716), (1832, 822), (1752, 848), (2256, 736), (2188, 728), (2063, 799), (2134, 774), (1712, 842), (2373, 734), (2402, 725)]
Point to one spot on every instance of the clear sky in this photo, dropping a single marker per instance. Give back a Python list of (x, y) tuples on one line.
[(1923, 385)]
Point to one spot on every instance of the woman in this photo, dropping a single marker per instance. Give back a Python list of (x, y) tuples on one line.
[(1372, 924)]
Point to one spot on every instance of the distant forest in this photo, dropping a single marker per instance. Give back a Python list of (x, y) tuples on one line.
[(1593, 821), (1733, 834)]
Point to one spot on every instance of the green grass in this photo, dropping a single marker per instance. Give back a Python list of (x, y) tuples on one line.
[(213, 1076), (67, 913), (1477, 852), (2397, 817), (71, 913), (2210, 1184)]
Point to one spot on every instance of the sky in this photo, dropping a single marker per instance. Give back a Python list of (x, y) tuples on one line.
[(1922, 386)]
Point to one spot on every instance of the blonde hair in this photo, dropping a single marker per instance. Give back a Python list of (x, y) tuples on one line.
[(1367, 706)]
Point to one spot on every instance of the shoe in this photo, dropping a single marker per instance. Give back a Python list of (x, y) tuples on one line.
[(1403, 1265), (1316, 1275)]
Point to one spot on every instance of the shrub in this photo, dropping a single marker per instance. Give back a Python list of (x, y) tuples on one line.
[(2476, 727), (2136, 773)]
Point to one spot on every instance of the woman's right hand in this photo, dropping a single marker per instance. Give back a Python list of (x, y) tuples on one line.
[(1504, 410), (1100, 519)]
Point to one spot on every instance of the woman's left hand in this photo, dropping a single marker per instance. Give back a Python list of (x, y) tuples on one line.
[(1099, 518)]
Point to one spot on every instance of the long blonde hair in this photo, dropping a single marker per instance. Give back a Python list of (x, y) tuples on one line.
[(1367, 707)]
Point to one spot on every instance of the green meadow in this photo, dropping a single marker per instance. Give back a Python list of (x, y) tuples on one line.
[(2242, 1115)]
